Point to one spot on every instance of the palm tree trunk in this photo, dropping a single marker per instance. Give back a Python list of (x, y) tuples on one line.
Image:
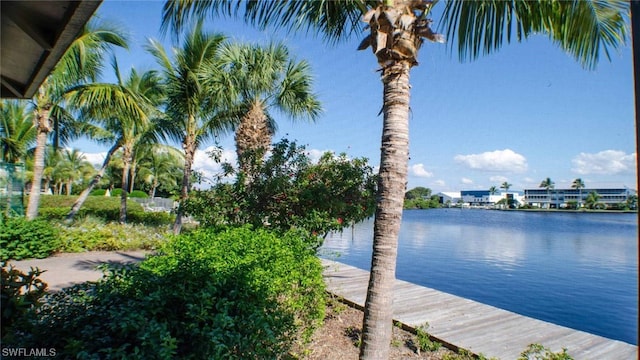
[(43, 126), (96, 179), (132, 178), (189, 146), (253, 134), (126, 159), (377, 326)]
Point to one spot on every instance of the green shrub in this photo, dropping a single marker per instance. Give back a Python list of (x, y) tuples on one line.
[(138, 194), (19, 296), (98, 192), (94, 234), (231, 294), (108, 208), (152, 218), (23, 239), (539, 352), (116, 192)]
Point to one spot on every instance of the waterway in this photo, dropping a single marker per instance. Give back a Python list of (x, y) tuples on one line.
[(578, 270)]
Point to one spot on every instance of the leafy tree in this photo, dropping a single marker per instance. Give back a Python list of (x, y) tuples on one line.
[(267, 78), (493, 190), (418, 193), (287, 191), (592, 200), (196, 97), (632, 202), (81, 63), (579, 185), (17, 133), (124, 111), (397, 29)]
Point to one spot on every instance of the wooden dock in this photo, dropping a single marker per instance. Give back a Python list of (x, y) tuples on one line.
[(467, 324)]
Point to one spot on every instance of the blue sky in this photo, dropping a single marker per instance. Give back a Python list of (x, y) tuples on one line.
[(521, 115)]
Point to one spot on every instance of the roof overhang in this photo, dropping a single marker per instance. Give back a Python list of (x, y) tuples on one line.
[(35, 35)]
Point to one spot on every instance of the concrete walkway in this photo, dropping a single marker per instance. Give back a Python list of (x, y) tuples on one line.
[(68, 269)]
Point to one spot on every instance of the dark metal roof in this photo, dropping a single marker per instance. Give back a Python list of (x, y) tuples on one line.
[(35, 35)]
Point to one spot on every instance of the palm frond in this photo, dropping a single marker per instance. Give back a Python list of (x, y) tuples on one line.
[(583, 28), (334, 19)]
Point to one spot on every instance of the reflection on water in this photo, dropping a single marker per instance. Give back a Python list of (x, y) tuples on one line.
[(577, 270)]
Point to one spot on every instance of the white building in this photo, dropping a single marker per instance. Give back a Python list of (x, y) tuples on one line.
[(560, 198)]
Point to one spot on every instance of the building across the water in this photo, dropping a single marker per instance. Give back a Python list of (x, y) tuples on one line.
[(561, 198), (485, 198)]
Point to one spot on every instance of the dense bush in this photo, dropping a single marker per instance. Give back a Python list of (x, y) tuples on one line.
[(106, 208), (150, 218), (94, 234), (232, 294), (22, 239), (98, 192), (138, 194), (287, 191), (19, 297), (116, 192)]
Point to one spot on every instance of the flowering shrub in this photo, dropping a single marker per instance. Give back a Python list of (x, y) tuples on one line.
[(286, 190)]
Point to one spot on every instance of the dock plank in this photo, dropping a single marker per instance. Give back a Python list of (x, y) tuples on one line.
[(468, 324)]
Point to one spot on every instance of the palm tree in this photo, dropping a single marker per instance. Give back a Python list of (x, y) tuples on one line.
[(267, 78), (493, 190), (396, 32), (125, 111), (549, 185), (579, 185), (81, 63), (161, 165), (505, 185), (196, 94), (17, 133), (72, 167)]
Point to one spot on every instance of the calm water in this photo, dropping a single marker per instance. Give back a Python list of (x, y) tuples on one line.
[(575, 270)]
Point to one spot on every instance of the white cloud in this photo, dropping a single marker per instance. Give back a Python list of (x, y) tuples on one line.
[(419, 171), (498, 179), (439, 183), (466, 181), (607, 162), (499, 160), (95, 159)]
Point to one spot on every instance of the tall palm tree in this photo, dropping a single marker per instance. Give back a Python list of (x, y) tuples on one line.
[(579, 185), (396, 29), (267, 77), (493, 190), (82, 62), (125, 111), (17, 133), (549, 185), (506, 186), (196, 95)]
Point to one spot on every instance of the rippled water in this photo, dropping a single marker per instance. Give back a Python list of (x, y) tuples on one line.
[(578, 270)]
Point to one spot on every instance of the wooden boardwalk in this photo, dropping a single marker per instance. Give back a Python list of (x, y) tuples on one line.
[(467, 324)]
